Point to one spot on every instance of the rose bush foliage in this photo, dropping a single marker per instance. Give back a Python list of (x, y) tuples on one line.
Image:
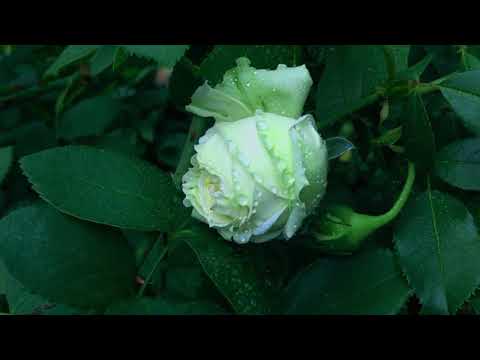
[(101, 145)]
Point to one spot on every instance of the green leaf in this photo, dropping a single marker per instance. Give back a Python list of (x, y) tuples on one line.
[(10, 118), (6, 159), (22, 302), (185, 281), (123, 140), (459, 164), (184, 277), (415, 71), (164, 55), (29, 138), (4, 275), (396, 57), (119, 58), (475, 303), (417, 132), (159, 306), (349, 81), (337, 146), (106, 187), (390, 137), (141, 242), (90, 117), (66, 260), (462, 91), (70, 54), (151, 267), (146, 127), (102, 59), (471, 62), (223, 57), (445, 57), (438, 248), (367, 283), (248, 288)]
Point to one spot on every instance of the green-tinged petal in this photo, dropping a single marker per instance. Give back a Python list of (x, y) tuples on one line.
[(301, 180), (268, 209), (282, 91), (315, 162), (245, 145), (245, 89), (209, 102), (211, 156), (297, 215), (274, 130)]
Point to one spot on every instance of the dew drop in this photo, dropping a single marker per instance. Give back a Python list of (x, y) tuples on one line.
[(240, 238), (231, 146), (268, 144), (243, 159), (258, 179), (242, 200), (282, 165)]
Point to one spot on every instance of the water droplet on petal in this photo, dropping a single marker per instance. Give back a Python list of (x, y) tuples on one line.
[(243, 159), (268, 144), (242, 200), (230, 146)]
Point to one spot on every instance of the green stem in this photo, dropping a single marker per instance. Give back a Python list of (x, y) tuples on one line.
[(402, 199), (198, 127), (152, 271), (422, 89), (297, 51), (35, 91)]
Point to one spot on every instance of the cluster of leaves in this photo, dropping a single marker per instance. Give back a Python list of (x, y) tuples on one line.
[(94, 140)]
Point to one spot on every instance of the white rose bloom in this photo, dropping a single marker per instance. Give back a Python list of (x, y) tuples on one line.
[(262, 168)]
